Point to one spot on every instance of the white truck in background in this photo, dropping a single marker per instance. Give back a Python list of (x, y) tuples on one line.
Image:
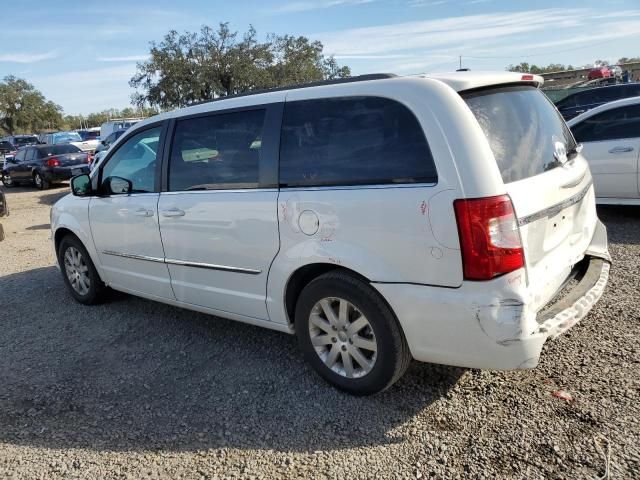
[(107, 128)]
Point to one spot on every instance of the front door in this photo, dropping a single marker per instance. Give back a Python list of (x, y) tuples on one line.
[(611, 142), (125, 227), (218, 217)]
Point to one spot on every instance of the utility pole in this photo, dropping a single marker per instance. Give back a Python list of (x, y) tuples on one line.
[(460, 57)]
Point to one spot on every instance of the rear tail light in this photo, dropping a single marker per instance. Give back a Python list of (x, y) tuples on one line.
[(52, 162), (489, 237)]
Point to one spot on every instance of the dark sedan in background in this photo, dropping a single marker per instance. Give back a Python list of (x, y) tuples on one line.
[(43, 165), (579, 102)]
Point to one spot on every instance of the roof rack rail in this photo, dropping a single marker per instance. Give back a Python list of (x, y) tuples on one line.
[(357, 78)]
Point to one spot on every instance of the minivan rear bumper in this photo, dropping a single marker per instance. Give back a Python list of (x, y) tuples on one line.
[(493, 325)]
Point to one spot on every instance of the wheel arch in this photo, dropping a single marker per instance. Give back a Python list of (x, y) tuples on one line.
[(305, 274)]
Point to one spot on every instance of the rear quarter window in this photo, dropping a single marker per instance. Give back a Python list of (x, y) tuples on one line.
[(352, 141)]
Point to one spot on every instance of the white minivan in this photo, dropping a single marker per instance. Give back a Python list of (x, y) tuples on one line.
[(448, 219)]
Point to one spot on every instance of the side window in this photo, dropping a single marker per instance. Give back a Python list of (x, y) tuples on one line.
[(136, 160), (219, 151), (29, 156), (352, 141), (20, 156), (623, 122)]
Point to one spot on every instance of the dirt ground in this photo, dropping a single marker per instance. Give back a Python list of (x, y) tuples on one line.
[(135, 389)]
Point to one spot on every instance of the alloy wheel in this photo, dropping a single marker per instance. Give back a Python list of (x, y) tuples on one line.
[(342, 337), (77, 271)]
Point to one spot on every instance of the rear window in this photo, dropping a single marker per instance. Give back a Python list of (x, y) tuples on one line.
[(89, 135), (523, 129), (352, 141), (20, 141), (58, 150)]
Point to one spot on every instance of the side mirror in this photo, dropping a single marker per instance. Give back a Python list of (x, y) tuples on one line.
[(81, 185), (117, 186)]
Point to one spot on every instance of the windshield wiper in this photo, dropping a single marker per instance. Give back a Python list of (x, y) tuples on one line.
[(577, 148)]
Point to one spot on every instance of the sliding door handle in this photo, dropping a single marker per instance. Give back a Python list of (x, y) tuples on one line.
[(173, 212), (621, 150)]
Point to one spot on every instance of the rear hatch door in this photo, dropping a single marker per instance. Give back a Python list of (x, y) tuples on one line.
[(549, 183)]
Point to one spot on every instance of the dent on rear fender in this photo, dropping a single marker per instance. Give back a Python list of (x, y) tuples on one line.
[(507, 320)]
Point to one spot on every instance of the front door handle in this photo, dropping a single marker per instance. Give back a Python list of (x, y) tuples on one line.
[(621, 150), (173, 212), (143, 212)]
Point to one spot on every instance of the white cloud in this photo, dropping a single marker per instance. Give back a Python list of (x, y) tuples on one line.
[(495, 33), (126, 58), (86, 91), (303, 6), (27, 57), (426, 3)]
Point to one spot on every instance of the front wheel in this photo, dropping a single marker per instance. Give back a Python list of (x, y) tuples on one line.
[(7, 181), (78, 272), (349, 334)]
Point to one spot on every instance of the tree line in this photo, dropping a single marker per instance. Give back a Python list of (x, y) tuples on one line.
[(182, 69), (559, 67)]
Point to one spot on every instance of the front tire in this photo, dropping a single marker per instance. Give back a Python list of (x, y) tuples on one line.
[(78, 272), (349, 334), (7, 181)]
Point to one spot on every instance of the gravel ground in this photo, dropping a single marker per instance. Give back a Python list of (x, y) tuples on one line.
[(135, 389)]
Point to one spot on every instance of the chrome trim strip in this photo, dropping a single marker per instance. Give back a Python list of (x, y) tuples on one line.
[(133, 256), (557, 208), (211, 266), (382, 186), (172, 261)]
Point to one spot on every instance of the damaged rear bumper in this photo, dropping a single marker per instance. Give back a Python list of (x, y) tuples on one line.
[(494, 325)]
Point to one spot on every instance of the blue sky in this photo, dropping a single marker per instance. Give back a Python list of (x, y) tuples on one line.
[(81, 54)]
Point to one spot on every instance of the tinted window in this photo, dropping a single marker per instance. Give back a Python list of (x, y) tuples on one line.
[(58, 149), (20, 141), (4, 145), (89, 135), (623, 122), (135, 160), (30, 154), (20, 155), (523, 129), (352, 141), (217, 151)]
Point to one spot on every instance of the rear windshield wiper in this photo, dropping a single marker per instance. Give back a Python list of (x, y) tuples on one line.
[(577, 148)]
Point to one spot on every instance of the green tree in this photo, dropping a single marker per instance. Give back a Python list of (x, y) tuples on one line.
[(552, 67), (23, 109), (190, 67)]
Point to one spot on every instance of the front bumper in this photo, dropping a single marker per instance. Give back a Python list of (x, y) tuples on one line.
[(490, 324)]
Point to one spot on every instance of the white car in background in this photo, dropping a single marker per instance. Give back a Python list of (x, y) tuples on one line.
[(73, 138), (610, 135), (90, 138)]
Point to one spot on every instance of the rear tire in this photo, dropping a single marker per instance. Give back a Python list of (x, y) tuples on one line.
[(78, 272), (358, 348), (40, 181), (7, 181)]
